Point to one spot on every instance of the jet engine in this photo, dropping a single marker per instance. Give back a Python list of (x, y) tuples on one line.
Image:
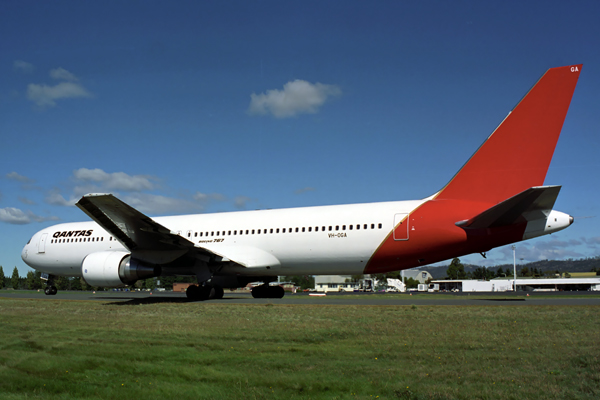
[(115, 269)]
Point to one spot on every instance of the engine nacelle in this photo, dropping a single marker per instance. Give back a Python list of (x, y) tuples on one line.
[(115, 269)]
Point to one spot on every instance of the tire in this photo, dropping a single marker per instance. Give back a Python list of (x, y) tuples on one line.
[(193, 292), (216, 293)]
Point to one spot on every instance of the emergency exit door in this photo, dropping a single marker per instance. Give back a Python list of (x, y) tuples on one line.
[(401, 227)]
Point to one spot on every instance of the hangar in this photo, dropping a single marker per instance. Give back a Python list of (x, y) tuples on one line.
[(523, 284)]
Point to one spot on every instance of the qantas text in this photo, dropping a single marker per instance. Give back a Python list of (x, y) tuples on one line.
[(72, 233)]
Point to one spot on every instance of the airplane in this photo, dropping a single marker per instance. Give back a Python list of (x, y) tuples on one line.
[(498, 197)]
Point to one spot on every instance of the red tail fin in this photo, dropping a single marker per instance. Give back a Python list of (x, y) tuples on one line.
[(517, 154)]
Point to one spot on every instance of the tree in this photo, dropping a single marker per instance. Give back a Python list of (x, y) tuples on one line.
[(29, 282), (1, 277), (75, 283), (149, 283), (456, 270), (500, 273), (84, 285), (483, 273), (411, 283), (14, 280), (524, 271), (62, 283)]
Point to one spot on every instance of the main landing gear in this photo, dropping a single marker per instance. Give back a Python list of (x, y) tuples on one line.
[(205, 292), (266, 291)]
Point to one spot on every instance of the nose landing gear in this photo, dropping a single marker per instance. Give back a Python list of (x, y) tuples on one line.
[(50, 289)]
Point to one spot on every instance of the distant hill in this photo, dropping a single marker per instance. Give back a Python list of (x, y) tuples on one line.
[(570, 265)]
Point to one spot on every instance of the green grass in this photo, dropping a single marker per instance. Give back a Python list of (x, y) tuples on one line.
[(95, 350)]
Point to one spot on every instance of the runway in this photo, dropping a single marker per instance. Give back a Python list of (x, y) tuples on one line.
[(363, 299)]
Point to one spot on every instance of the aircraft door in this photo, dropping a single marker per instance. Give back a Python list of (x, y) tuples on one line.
[(401, 227), (42, 243)]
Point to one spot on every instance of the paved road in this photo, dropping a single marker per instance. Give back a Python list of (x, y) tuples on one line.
[(484, 299)]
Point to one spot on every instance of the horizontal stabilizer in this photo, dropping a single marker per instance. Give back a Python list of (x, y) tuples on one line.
[(531, 204)]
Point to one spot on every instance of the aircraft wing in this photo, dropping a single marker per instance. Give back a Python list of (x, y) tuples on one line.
[(149, 240), (531, 204)]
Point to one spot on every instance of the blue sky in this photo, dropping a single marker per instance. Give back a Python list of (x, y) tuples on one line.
[(176, 107)]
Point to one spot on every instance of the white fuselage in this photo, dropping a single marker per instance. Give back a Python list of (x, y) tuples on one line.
[(313, 240)]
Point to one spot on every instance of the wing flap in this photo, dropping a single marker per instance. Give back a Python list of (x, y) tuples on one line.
[(247, 256)]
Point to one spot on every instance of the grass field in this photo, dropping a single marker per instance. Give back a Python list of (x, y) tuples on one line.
[(96, 350)]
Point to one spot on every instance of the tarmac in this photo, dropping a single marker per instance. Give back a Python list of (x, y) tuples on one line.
[(354, 299)]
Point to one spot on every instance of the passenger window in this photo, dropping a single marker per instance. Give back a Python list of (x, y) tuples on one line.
[(330, 227), (343, 227), (271, 231), (337, 227), (310, 228), (283, 230), (277, 231), (229, 233), (357, 226), (350, 227), (303, 229), (296, 230), (380, 226), (253, 231), (372, 226)]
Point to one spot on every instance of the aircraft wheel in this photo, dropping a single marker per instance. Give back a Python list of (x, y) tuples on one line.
[(193, 292), (216, 293), (277, 292), (50, 290)]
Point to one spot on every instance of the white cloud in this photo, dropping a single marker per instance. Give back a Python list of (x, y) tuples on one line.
[(25, 200), (46, 96), (205, 199), (62, 74), (14, 216), (56, 199), (156, 204), (18, 177), (241, 202), (114, 181), (23, 66), (297, 97)]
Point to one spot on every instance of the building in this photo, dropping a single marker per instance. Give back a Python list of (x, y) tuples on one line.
[(417, 274), (335, 283), (523, 284)]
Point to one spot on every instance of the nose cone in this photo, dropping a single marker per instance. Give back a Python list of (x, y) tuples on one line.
[(571, 219), (24, 253), (27, 253)]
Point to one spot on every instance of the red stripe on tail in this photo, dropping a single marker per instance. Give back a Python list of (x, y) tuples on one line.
[(517, 154)]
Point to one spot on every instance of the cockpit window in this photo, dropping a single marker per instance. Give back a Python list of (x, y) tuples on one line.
[(30, 240)]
